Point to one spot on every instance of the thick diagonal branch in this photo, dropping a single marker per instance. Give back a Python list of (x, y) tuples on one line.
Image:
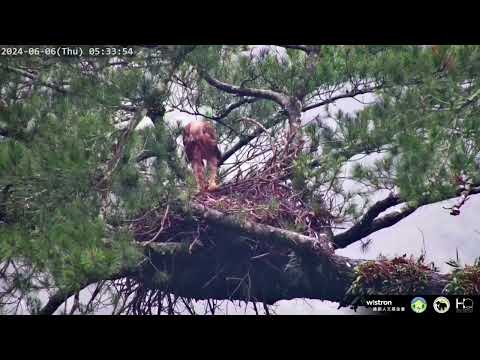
[(363, 227), (369, 223), (265, 232), (322, 274)]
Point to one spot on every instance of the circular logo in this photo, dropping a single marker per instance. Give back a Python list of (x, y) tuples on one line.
[(418, 305), (441, 305)]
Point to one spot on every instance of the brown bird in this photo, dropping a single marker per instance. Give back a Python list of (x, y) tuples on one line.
[(200, 142)]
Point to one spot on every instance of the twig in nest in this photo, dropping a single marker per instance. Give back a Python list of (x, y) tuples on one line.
[(213, 278), (239, 284), (143, 216), (161, 227), (260, 256), (195, 241)]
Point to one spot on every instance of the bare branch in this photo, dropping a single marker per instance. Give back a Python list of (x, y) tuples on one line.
[(279, 98), (56, 300), (145, 154), (245, 140), (348, 94), (369, 224), (217, 119), (272, 146), (233, 107), (466, 188)]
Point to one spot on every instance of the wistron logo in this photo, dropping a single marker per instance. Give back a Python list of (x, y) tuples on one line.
[(464, 305), (379, 302), (378, 305)]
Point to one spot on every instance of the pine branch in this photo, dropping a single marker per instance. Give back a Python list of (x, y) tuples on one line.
[(324, 276), (349, 94), (57, 299), (244, 140), (35, 78), (370, 224), (277, 97), (233, 107), (265, 232), (363, 227), (119, 149), (50, 85)]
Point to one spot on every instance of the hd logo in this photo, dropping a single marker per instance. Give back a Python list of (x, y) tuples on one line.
[(464, 305)]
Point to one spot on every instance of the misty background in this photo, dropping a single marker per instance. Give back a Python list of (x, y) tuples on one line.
[(430, 230)]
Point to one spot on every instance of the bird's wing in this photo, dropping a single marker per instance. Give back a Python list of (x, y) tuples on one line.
[(211, 134), (187, 142)]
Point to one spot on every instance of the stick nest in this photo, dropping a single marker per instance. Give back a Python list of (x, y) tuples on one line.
[(263, 198)]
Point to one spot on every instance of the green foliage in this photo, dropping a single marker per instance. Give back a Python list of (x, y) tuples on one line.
[(56, 148), (301, 172), (464, 280), (423, 124), (400, 275)]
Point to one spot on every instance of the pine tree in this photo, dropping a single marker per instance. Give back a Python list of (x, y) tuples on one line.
[(81, 204)]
